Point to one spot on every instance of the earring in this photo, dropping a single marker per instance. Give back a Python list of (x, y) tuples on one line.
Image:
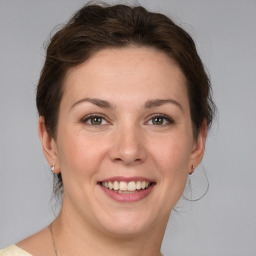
[(52, 168), (192, 169)]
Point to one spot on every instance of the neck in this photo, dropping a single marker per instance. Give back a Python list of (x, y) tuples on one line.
[(74, 236)]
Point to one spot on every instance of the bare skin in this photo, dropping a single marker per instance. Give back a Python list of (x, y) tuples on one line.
[(139, 99), (39, 244)]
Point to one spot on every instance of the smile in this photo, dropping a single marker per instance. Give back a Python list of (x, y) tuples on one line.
[(123, 189), (126, 187)]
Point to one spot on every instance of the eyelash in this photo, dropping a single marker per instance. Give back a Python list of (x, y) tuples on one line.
[(91, 116), (165, 118)]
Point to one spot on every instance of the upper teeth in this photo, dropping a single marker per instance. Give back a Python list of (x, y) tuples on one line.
[(125, 186)]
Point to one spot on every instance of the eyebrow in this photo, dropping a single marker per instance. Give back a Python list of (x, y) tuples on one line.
[(98, 102), (160, 102), (149, 104)]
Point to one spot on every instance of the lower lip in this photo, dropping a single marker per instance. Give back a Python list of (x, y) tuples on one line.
[(129, 197)]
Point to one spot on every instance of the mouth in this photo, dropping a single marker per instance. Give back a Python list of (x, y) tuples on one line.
[(124, 187)]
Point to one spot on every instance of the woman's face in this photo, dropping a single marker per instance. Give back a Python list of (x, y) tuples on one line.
[(124, 140)]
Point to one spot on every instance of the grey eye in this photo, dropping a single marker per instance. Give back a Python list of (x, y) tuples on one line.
[(94, 120), (97, 120), (158, 120)]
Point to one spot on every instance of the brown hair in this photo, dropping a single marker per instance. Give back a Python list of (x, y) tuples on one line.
[(95, 27)]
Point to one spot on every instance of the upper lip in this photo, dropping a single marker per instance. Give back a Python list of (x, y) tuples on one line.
[(127, 179)]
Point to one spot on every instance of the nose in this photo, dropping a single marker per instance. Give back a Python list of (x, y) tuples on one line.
[(128, 146)]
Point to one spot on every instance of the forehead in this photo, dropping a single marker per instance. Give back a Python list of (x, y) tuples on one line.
[(130, 71)]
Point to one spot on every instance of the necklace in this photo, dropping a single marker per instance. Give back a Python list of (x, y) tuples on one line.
[(53, 242), (54, 245)]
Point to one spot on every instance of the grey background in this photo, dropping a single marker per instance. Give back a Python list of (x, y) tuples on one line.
[(223, 222)]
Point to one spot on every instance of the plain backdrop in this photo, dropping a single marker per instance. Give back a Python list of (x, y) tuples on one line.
[(223, 223)]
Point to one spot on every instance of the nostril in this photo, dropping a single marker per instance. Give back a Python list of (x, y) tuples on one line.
[(127, 161), (127, 153)]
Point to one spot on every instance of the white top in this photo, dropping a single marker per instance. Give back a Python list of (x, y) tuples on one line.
[(13, 250)]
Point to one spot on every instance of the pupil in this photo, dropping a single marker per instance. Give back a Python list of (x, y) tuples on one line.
[(96, 120), (158, 120)]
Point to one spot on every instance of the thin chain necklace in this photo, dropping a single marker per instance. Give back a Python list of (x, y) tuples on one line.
[(53, 242), (54, 246)]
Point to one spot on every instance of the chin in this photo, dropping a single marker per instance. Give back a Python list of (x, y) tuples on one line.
[(128, 223)]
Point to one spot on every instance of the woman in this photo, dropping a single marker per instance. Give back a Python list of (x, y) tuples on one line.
[(124, 105)]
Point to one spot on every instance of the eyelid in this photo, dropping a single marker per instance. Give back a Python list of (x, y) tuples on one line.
[(87, 117), (169, 119), (164, 116)]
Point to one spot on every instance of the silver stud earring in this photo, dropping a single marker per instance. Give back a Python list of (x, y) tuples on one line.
[(52, 168)]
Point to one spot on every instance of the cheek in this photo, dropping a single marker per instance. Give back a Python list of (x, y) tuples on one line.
[(78, 155), (171, 159), (172, 154)]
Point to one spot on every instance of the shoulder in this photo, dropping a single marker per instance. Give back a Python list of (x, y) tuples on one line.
[(39, 244), (13, 250)]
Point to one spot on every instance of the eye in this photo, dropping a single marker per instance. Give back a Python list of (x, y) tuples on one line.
[(94, 120), (160, 120)]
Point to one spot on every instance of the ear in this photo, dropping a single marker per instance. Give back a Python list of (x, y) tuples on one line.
[(198, 148), (48, 145)]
